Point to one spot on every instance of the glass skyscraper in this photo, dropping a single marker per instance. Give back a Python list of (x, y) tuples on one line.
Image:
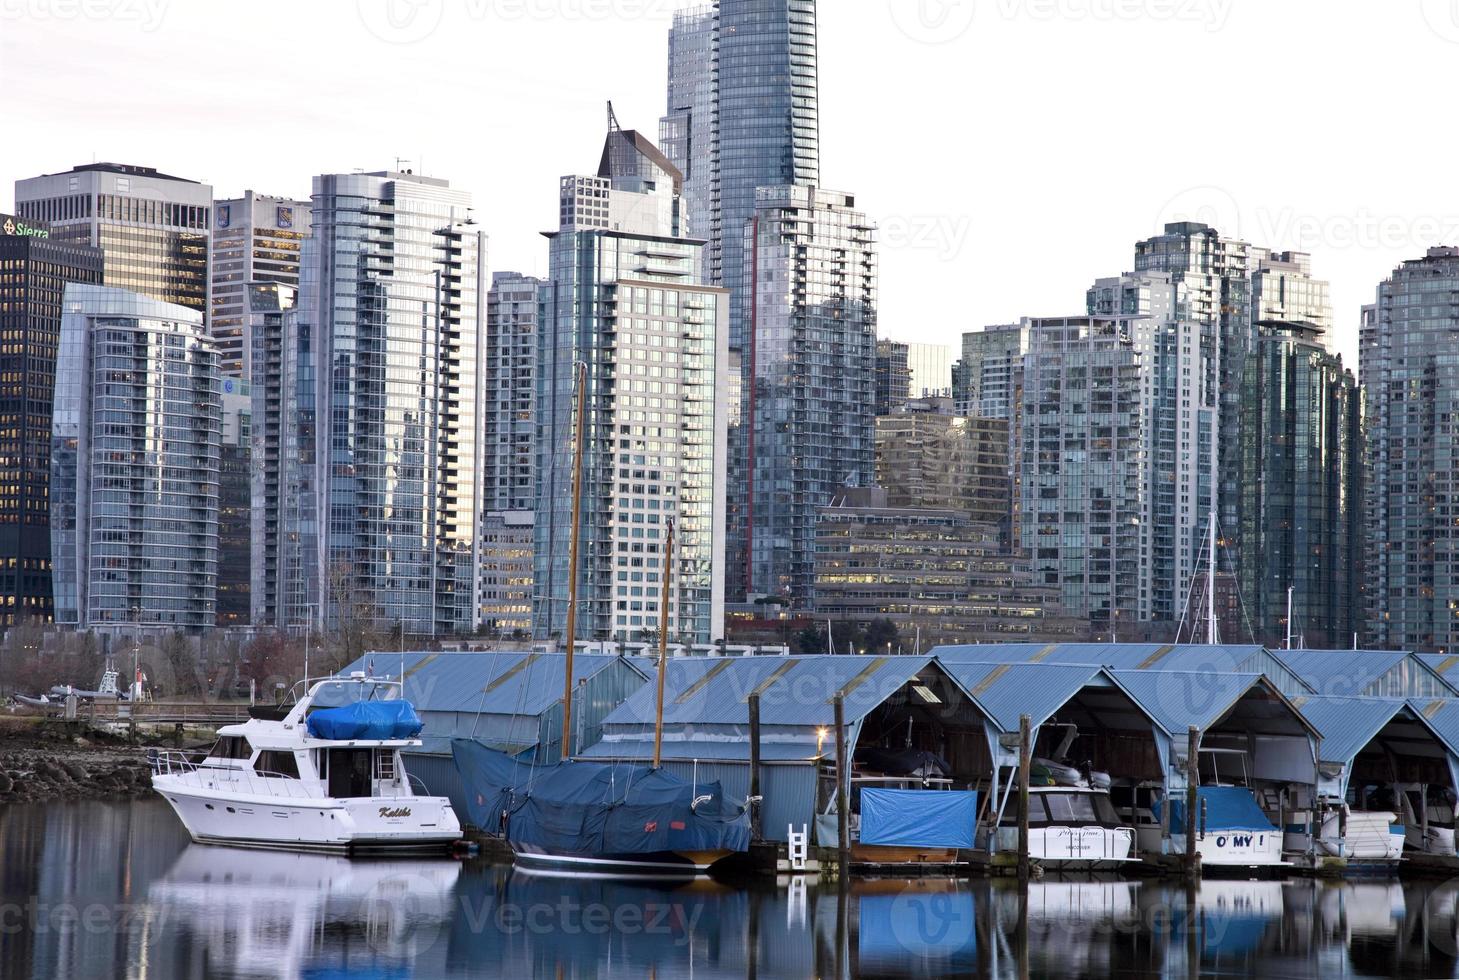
[(134, 464), (34, 273), (808, 417), (686, 133), (390, 296), (1410, 370), (623, 297), (893, 377), (983, 380), (1302, 489)]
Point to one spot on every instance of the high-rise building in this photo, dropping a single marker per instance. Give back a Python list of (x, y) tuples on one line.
[(983, 381), (286, 584), (1213, 276), (1410, 370), (134, 473), (686, 133), (390, 297), (256, 239), (929, 459), (1302, 489), (767, 128), (930, 367), (624, 299), (511, 364), (235, 453), (34, 273), (1084, 466), (506, 574), (510, 493), (1177, 347), (893, 377), (153, 227), (807, 429)]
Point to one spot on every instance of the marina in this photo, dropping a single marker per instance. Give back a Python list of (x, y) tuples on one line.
[(97, 889)]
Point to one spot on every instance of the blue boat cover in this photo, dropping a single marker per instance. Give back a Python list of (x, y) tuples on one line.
[(591, 809), (371, 720), (918, 818), (1226, 808)]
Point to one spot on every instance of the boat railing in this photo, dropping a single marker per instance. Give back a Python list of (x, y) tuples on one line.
[(169, 762)]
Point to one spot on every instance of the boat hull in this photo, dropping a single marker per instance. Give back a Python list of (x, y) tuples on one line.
[(659, 864), (319, 825), (1074, 848)]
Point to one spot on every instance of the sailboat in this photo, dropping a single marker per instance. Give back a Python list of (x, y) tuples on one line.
[(593, 817)]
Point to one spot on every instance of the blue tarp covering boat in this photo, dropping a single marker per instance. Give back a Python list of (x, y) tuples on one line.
[(372, 720), (918, 818), (593, 809), (1222, 808)]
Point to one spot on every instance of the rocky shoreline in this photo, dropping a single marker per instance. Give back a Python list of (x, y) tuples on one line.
[(41, 763)]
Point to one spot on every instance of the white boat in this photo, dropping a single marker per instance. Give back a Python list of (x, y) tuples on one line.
[(1069, 827), (1428, 818), (274, 782)]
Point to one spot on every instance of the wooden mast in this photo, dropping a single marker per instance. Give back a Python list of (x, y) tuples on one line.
[(572, 557), (666, 571)]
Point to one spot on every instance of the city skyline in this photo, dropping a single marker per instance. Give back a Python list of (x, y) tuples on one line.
[(1357, 228)]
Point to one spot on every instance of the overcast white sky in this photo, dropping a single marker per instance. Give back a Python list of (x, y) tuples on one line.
[(1012, 150)]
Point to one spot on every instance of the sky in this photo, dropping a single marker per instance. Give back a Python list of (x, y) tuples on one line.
[(1011, 151)]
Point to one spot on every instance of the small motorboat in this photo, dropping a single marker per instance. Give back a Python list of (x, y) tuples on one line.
[(323, 774)]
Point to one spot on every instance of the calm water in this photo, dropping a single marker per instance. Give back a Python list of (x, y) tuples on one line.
[(115, 890)]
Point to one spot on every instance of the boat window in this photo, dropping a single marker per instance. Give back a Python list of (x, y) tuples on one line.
[(1104, 810), (1070, 807), (274, 763), (231, 747)]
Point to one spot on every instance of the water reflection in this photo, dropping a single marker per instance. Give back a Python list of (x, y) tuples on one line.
[(103, 890)]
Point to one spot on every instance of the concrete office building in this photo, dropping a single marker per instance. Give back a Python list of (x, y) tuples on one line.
[(154, 228), (256, 239)]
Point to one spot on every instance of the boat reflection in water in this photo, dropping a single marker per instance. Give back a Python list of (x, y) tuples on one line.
[(286, 915), (176, 910)]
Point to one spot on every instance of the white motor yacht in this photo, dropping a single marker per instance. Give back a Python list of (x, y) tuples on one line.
[(322, 774)]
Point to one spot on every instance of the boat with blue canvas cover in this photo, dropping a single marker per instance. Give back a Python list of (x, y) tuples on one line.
[(1232, 831), (600, 818), (322, 774)]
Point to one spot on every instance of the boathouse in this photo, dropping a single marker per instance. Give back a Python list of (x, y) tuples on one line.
[(1136, 656), (1366, 674), (509, 701), (1378, 741), (891, 706)]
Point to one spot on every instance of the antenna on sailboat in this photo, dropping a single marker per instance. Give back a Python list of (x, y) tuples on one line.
[(1212, 633), (663, 647)]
